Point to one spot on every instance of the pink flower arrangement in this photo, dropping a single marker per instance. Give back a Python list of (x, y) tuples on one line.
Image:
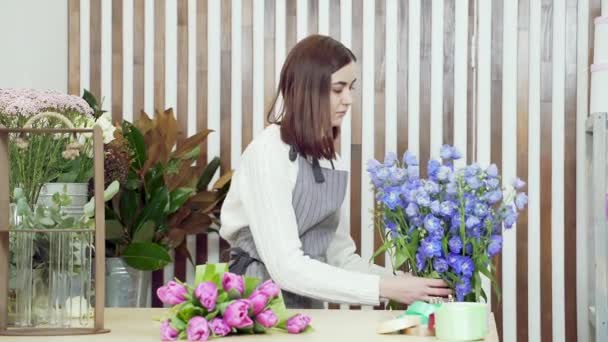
[(223, 303), (28, 102)]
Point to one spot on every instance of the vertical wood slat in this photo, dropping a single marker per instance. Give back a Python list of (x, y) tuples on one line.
[(74, 47), (182, 103), (545, 166), (95, 48), (334, 19), (182, 69), (448, 71), (269, 55), (117, 60), (334, 32), (426, 8), (290, 24), (402, 79), (159, 101), (356, 134), (201, 103), (471, 84), (4, 228), (379, 104), (247, 60), (159, 55), (570, 160), (313, 17), (138, 57), (496, 129), (225, 101), (523, 71)]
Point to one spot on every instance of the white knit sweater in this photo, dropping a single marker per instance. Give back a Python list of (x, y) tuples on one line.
[(260, 197)]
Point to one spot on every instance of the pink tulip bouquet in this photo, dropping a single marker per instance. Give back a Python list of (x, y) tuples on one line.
[(223, 303)]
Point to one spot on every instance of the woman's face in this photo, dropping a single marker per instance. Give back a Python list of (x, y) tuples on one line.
[(341, 94)]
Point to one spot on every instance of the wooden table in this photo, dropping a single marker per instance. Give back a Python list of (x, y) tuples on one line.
[(133, 325)]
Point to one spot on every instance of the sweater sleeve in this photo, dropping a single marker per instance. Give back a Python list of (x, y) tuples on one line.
[(266, 194), (341, 252)]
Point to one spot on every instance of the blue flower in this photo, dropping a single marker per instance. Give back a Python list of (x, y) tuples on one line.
[(466, 266), (422, 198), (510, 217), (390, 159), (455, 226), (431, 187), (440, 265), (430, 247), (432, 224), (471, 170), (521, 200), (411, 210), (414, 183), (436, 207), (468, 249), (493, 197), (456, 154), (413, 171), (495, 245), (492, 171), (473, 182), (443, 174), (420, 261), (392, 198), (480, 210), (373, 165), (472, 221), (390, 225), (463, 288), (447, 208), (415, 221), (383, 174), (493, 183), (446, 152), (451, 188), (454, 262), (455, 244), (410, 159), (398, 175), (518, 183), (433, 167)]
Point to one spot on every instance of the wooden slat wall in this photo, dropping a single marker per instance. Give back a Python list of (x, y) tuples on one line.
[(522, 163), (535, 93), (496, 126)]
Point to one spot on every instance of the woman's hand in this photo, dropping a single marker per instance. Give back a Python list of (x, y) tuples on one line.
[(407, 289)]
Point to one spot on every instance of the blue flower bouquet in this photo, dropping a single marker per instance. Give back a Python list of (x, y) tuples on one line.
[(448, 225)]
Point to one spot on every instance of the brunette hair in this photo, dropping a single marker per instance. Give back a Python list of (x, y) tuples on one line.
[(305, 85)]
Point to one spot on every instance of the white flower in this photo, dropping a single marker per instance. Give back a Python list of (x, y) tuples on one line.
[(105, 122)]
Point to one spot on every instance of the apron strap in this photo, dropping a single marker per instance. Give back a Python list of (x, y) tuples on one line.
[(240, 260), (316, 167)]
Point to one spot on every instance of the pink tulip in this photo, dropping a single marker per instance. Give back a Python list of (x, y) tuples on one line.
[(198, 329), (172, 293), (206, 292), (267, 319), (257, 302), (236, 314), (219, 327), (167, 333), (231, 281), (298, 323), (269, 288)]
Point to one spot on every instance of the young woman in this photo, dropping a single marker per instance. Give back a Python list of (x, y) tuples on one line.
[(282, 216)]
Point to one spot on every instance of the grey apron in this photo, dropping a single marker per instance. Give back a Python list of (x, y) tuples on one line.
[(317, 198)]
